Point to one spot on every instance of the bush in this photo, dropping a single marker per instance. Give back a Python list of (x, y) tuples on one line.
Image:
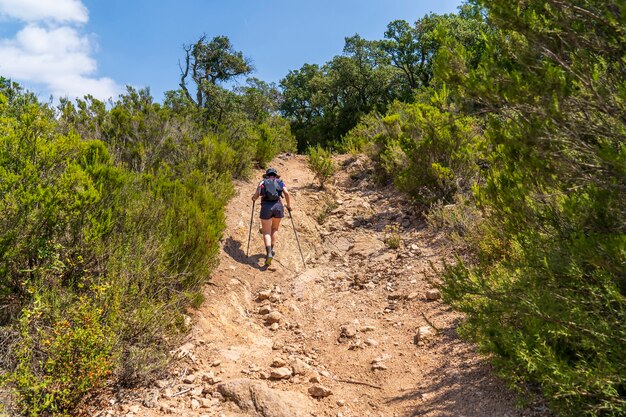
[(320, 161), (98, 259)]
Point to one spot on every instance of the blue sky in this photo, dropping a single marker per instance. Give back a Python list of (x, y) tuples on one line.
[(74, 47)]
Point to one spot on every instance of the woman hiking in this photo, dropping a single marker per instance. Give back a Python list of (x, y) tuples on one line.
[(271, 190)]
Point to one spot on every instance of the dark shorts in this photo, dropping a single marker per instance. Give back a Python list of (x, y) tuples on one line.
[(270, 209)]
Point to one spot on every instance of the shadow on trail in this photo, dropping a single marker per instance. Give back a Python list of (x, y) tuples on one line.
[(234, 249), (471, 391)]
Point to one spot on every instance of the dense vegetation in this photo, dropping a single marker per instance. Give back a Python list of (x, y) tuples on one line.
[(110, 221), (509, 128)]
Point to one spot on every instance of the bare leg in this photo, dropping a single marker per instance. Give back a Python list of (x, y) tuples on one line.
[(266, 230), (275, 226)]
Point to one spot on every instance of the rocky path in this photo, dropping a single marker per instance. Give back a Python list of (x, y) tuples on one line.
[(360, 331)]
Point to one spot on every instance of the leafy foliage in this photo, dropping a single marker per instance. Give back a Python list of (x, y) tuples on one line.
[(547, 294), (110, 222), (320, 161)]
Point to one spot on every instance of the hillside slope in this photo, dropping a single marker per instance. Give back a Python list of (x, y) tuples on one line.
[(358, 332)]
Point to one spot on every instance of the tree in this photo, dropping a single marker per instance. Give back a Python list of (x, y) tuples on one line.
[(209, 64)]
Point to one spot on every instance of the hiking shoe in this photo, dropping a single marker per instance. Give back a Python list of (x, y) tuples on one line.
[(268, 260)]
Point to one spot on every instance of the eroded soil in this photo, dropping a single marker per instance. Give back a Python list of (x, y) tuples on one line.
[(359, 331)]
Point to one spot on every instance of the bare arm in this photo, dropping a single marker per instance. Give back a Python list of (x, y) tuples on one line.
[(256, 194), (287, 198)]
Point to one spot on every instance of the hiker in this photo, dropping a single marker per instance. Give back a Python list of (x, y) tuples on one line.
[(271, 190)]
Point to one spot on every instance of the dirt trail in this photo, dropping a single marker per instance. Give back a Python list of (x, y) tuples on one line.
[(352, 334)]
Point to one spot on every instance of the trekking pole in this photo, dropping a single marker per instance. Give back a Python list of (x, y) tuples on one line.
[(250, 232), (296, 233)]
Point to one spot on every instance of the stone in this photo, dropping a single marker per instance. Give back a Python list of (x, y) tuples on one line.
[(161, 383), (195, 404), (423, 333), (412, 296), (189, 379), (280, 373), (277, 345), (319, 391), (256, 398), (299, 367), (278, 363), (274, 327), (274, 317), (208, 402), (266, 309), (315, 379), (371, 342), (151, 399), (134, 409), (379, 366), (432, 295), (264, 295), (348, 331)]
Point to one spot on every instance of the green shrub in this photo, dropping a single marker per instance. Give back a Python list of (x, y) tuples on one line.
[(428, 153), (320, 161), (99, 258), (392, 239), (328, 204)]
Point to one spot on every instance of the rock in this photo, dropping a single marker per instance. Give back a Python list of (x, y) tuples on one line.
[(300, 367), (274, 327), (255, 397), (379, 366), (210, 378), (278, 363), (412, 296), (396, 296), (381, 358), (423, 333), (347, 331), (277, 345), (151, 399), (365, 246), (371, 342), (341, 403), (216, 363), (195, 404), (189, 379), (161, 383), (134, 409), (433, 295), (264, 295), (274, 317), (315, 379), (266, 309), (319, 391), (280, 373), (208, 402)]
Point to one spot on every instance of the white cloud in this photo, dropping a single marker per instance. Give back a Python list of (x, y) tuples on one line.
[(51, 50), (62, 11), (59, 58)]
